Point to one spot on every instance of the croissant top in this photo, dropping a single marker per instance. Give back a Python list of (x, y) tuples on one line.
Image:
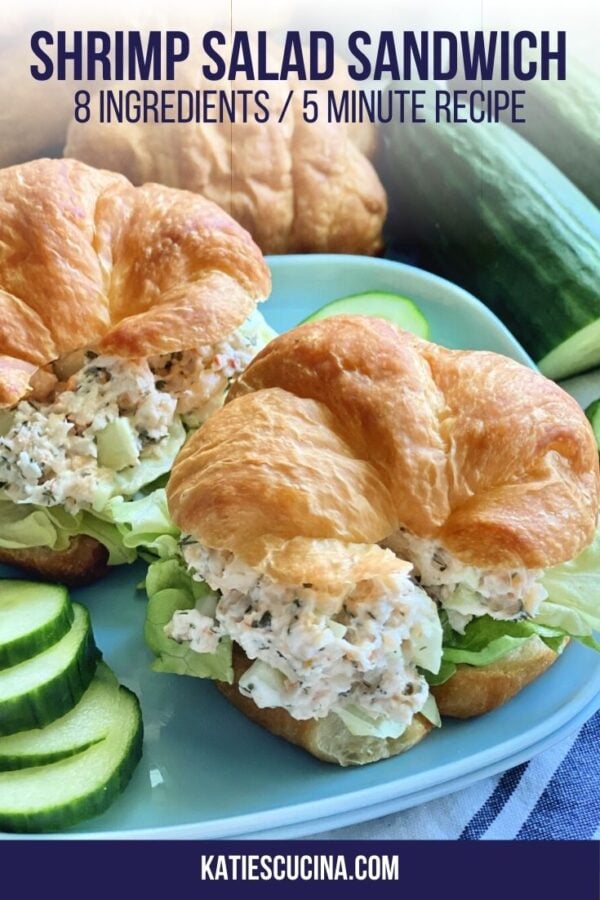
[(87, 259), (342, 431)]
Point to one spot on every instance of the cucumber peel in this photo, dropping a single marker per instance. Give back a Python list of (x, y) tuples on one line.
[(70, 736), (45, 687), (577, 353), (56, 796), (392, 307), (32, 616), (86, 724), (485, 209), (593, 414)]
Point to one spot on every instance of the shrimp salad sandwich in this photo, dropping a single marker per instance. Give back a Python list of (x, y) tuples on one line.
[(124, 314), (372, 519)]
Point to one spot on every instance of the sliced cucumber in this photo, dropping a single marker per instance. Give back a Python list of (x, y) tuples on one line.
[(117, 445), (32, 616), (593, 414), (53, 797), (393, 307), (86, 724), (45, 687), (578, 353)]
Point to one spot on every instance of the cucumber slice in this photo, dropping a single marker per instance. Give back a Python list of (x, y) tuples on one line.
[(393, 307), (32, 616), (45, 687), (578, 353), (117, 445), (85, 725), (53, 797), (593, 414)]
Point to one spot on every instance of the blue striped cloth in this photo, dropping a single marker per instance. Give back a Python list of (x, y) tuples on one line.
[(554, 796)]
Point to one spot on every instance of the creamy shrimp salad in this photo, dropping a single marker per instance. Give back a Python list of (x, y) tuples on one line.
[(112, 415), (466, 591), (364, 658)]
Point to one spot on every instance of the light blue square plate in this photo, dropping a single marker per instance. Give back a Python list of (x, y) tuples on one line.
[(207, 772)]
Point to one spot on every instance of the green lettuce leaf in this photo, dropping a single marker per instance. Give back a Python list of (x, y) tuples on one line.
[(171, 588), (360, 723), (447, 670), (571, 610), (145, 526), (486, 640), (573, 601), (23, 525), (109, 534), (127, 528)]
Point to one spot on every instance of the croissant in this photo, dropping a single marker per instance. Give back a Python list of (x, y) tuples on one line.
[(347, 438), (85, 258), (119, 306), (295, 186), (387, 431)]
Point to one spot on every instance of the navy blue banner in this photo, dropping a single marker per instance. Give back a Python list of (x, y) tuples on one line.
[(294, 869)]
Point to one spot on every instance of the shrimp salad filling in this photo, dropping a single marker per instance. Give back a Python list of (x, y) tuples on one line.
[(361, 661), (466, 591), (113, 415)]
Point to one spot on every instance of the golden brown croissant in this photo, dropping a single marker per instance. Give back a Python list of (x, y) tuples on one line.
[(347, 435), (87, 259), (123, 311), (349, 428), (296, 187), (475, 690), (84, 561)]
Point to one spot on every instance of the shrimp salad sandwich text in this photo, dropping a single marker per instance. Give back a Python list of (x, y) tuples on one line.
[(124, 314), (371, 514)]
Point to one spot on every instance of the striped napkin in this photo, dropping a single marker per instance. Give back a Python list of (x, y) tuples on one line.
[(555, 796)]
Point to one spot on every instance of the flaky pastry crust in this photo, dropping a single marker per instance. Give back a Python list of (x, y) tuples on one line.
[(347, 429), (475, 690), (87, 259)]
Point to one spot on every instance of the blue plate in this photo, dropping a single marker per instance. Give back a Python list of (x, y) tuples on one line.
[(209, 772)]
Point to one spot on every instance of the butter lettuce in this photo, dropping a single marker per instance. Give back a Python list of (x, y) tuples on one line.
[(23, 525), (571, 610), (486, 640), (171, 588), (360, 723), (127, 528), (145, 526), (573, 601)]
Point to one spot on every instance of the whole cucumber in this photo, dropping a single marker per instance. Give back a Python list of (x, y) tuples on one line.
[(487, 210), (563, 122)]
